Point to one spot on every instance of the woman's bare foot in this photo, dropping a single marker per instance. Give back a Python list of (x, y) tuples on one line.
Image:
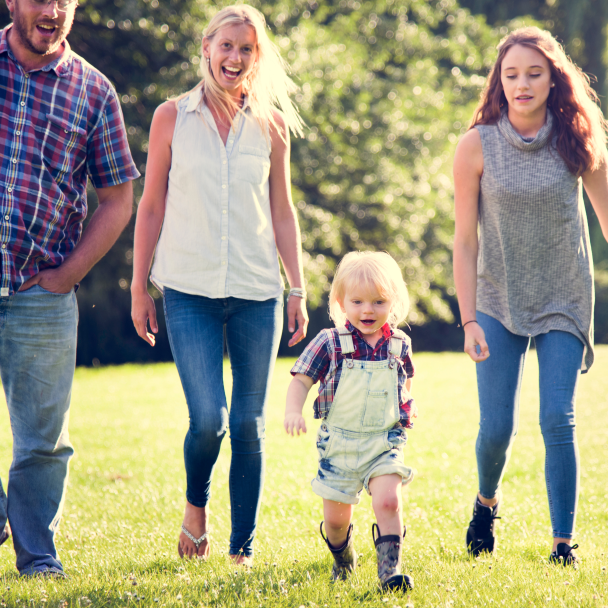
[(242, 560), (195, 521)]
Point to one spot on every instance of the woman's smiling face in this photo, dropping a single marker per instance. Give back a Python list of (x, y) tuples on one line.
[(232, 53), (526, 79)]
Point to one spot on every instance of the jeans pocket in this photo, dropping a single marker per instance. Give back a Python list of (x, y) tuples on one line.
[(397, 437), (375, 408), (323, 441)]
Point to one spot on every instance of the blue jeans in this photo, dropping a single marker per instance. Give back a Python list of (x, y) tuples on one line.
[(560, 356), (37, 360), (195, 325)]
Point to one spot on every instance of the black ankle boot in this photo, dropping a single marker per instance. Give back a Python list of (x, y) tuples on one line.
[(565, 555), (345, 557), (480, 534), (388, 554)]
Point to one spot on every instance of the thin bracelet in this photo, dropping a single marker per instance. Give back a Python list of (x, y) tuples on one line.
[(297, 292), (471, 321)]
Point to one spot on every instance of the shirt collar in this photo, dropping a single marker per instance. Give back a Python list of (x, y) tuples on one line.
[(60, 65), (195, 99), (387, 331)]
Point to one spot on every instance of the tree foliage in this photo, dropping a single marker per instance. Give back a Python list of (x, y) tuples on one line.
[(386, 88)]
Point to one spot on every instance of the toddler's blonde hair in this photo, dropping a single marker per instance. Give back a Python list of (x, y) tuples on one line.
[(372, 269)]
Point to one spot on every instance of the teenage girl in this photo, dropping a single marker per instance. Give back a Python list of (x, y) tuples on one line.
[(523, 265)]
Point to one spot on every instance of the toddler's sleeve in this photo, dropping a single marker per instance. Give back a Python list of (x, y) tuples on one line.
[(314, 361)]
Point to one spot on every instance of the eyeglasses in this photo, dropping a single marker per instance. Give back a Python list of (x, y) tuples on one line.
[(62, 5)]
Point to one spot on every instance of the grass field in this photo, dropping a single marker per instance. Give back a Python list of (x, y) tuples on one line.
[(119, 531)]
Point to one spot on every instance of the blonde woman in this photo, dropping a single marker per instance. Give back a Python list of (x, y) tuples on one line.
[(218, 183), (538, 136)]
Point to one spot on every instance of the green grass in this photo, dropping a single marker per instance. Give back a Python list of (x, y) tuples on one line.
[(118, 536)]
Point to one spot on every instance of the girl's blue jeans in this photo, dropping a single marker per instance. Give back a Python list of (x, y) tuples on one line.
[(560, 356), (196, 326)]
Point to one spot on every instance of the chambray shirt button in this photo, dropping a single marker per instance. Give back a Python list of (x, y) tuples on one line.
[(323, 427)]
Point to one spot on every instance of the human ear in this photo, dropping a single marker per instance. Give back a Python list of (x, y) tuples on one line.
[(341, 302), (206, 47)]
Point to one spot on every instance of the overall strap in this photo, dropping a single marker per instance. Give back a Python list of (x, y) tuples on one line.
[(395, 346), (346, 341)]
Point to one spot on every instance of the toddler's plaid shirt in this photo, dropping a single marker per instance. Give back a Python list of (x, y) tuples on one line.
[(322, 361)]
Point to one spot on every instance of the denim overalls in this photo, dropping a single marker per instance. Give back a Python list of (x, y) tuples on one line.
[(359, 440)]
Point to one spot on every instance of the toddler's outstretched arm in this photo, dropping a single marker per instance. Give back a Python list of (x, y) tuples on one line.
[(296, 397)]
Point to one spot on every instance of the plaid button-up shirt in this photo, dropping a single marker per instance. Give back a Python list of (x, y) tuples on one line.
[(59, 126), (322, 361)]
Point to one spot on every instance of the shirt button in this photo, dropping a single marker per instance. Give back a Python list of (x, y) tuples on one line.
[(223, 263), (223, 185), (6, 217), (224, 163), (23, 103), (3, 245), (223, 238), (65, 130), (10, 189), (14, 160), (224, 212), (18, 132)]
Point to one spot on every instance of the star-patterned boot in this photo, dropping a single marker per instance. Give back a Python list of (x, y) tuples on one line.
[(388, 554)]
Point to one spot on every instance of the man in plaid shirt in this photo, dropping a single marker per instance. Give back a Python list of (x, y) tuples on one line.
[(60, 125)]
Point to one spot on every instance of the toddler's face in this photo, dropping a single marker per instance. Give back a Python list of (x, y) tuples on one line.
[(366, 309)]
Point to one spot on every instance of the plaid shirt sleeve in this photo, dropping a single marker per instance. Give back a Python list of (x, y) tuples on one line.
[(408, 410), (315, 360), (109, 161)]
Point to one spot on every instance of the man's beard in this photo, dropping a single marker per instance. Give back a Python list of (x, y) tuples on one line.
[(20, 27)]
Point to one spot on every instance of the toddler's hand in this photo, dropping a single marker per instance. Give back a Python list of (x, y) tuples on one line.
[(294, 423)]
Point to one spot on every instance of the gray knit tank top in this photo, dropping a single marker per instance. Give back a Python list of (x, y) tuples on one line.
[(534, 268)]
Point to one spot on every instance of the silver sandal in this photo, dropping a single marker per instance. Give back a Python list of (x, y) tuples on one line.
[(196, 541)]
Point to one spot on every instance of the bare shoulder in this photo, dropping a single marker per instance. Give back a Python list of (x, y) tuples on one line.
[(279, 134), (163, 123), (469, 152), (166, 113)]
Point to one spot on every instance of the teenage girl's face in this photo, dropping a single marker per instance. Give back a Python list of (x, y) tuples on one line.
[(367, 310), (232, 54), (526, 79)]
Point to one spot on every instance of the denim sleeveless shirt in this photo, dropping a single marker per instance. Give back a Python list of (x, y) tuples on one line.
[(217, 238)]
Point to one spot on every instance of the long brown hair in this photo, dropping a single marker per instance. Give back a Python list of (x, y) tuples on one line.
[(579, 126)]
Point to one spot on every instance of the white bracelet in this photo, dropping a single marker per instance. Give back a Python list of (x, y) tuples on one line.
[(297, 292)]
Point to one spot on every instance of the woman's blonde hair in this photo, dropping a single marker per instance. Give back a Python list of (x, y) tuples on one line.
[(268, 86), (579, 126), (374, 270)]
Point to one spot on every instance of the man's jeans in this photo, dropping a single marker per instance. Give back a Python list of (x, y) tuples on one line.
[(37, 360)]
